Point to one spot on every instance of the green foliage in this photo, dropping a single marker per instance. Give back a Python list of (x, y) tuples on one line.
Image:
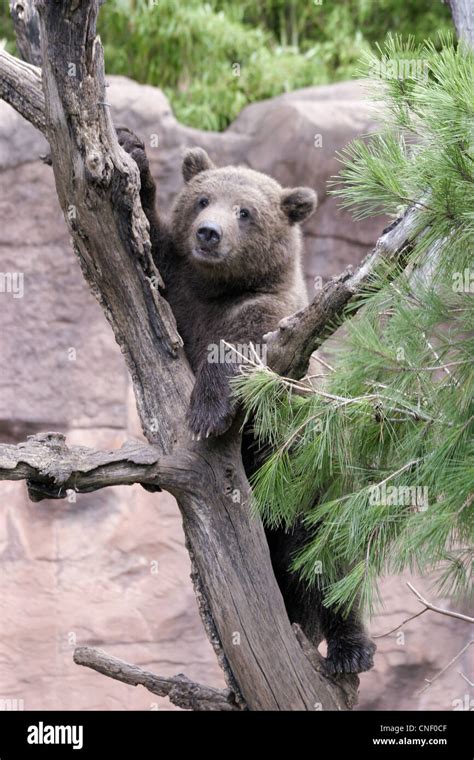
[(378, 456), (7, 35), (190, 48), (210, 63), (304, 22)]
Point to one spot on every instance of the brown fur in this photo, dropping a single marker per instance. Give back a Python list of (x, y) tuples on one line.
[(241, 290), (257, 281), (236, 289)]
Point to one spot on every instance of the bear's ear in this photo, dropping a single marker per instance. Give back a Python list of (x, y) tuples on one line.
[(298, 203), (195, 161)]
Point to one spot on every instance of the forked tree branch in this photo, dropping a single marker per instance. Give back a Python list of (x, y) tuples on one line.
[(439, 610), (427, 608), (180, 690)]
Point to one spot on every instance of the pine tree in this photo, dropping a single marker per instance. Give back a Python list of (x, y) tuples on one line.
[(377, 456)]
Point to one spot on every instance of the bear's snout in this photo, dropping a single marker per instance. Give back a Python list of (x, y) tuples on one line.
[(209, 234)]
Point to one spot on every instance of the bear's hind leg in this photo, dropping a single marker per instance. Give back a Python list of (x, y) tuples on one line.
[(349, 649)]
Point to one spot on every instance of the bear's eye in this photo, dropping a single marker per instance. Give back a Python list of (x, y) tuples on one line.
[(244, 213), (203, 202)]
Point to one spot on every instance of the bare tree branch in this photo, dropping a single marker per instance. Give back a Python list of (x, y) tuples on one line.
[(101, 183), (298, 336), (446, 667), (464, 676), (397, 628), (440, 610), (51, 468), (428, 607), (20, 86), (180, 690)]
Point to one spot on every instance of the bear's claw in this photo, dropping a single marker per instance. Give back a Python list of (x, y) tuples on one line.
[(354, 655), (135, 148), (209, 421)]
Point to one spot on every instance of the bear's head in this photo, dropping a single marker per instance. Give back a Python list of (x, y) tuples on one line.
[(233, 223)]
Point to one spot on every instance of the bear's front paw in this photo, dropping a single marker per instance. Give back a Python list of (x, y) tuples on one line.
[(350, 655), (135, 148), (209, 417), (132, 145)]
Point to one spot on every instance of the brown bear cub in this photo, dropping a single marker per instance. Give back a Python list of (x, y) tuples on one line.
[(230, 258)]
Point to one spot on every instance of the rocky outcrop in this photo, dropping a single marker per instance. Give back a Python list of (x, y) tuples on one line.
[(110, 569)]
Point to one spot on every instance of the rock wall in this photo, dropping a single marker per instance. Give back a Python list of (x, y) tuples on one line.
[(110, 569)]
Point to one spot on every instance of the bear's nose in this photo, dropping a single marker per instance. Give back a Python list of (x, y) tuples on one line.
[(209, 234)]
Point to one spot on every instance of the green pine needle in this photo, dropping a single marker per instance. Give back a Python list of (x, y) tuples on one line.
[(378, 458)]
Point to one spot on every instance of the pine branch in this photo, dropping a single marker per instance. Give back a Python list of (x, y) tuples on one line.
[(393, 417)]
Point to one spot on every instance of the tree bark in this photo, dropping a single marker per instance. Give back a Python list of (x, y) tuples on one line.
[(181, 691), (52, 469), (27, 30), (20, 86), (462, 12)]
